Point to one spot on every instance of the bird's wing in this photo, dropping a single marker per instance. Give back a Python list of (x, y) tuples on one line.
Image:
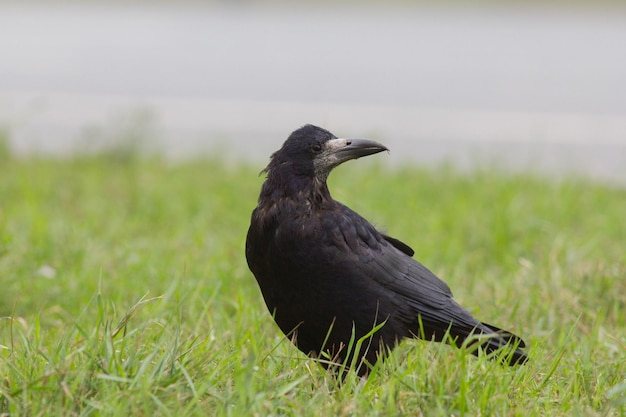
[(418, 292), (385, 260), (398, 244), (394, 270), (387, 268)]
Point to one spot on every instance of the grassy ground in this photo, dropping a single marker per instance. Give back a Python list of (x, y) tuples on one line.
[(124, 291)]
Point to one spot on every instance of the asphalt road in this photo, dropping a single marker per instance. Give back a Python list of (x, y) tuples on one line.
[(520, 87)]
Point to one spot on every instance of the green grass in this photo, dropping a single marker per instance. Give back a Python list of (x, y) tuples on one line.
[(124, 290)]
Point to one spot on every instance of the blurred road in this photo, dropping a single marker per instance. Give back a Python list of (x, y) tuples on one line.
[(524, 87)]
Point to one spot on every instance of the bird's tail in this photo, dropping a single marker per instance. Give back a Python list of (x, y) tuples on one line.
[(493, 339), (460, 328)]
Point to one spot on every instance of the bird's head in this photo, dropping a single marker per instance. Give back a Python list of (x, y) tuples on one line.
[(313, 152)]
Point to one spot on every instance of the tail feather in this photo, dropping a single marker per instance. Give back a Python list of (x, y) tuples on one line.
[(502, 339), (511, 339), (463, 330)]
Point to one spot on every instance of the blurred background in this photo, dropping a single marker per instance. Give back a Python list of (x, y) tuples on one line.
[(525, 86)]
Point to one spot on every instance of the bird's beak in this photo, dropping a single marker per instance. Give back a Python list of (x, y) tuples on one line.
[(343, 150)]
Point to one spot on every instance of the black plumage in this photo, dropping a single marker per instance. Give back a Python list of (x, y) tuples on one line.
[(330, 278)]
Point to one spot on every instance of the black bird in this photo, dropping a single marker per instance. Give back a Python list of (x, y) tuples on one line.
[(331, 279)]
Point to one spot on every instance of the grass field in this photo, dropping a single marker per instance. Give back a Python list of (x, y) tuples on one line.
[(124, 290)]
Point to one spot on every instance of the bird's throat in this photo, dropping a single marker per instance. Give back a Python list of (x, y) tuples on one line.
[(309, 192)]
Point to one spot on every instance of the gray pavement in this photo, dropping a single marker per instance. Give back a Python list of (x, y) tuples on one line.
[(524, 88)]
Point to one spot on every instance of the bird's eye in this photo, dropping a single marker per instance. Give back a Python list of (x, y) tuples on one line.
[(316, 147)]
